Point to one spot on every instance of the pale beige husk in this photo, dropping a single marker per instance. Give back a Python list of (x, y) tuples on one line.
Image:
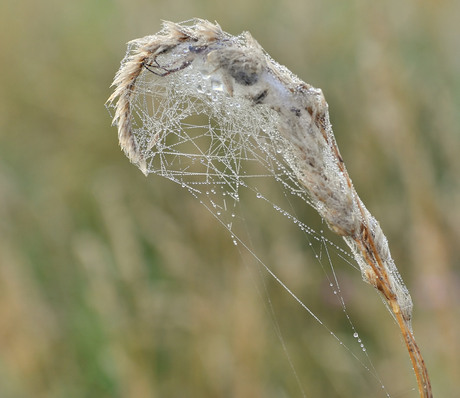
[(247, 72)]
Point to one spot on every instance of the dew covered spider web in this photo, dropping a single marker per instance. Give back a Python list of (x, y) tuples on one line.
[(225, 151)]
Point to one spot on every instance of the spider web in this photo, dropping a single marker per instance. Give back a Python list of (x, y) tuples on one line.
[(223, 150)]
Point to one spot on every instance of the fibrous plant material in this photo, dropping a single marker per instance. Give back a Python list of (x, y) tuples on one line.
[(193, 69)]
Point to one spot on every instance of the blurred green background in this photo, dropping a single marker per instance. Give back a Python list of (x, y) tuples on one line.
[(114, 285)]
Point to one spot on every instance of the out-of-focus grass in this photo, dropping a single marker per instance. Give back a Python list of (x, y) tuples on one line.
[(114, 285)]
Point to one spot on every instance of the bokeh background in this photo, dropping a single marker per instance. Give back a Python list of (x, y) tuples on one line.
[(117, 285)]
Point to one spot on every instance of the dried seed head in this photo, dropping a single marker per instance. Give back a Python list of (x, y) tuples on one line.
[(196, 68), (188, 55)]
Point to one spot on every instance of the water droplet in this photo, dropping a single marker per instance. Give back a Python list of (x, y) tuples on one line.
[(217, 85), (259, 195), (355, 335), (235, 242), (364, 349), (330, 284)]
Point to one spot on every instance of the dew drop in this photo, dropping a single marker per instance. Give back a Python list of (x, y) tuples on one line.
[(355, 335)]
